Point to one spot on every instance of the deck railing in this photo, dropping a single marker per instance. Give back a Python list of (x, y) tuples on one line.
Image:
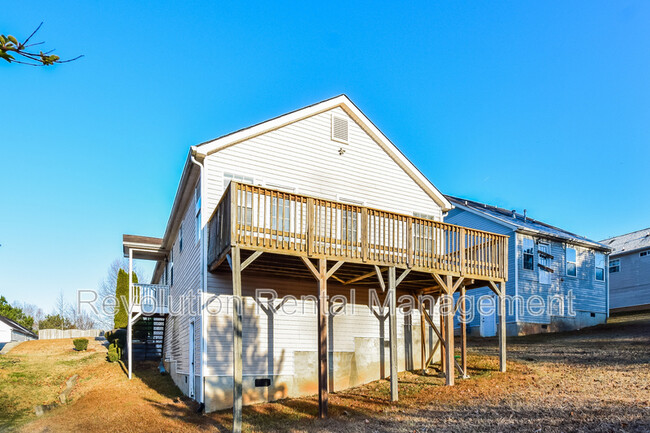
[(265, 219), (150, 298)]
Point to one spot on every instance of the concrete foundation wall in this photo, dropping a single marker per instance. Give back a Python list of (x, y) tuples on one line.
[(582, 319), (370, 361)]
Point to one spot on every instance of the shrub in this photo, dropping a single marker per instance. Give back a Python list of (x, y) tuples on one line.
[(114, 352), (80, 344), (116, 335), (112, 355)]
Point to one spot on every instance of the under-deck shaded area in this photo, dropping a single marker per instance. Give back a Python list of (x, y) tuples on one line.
[(268, 232)]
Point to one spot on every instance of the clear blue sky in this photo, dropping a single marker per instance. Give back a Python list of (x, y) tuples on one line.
[(537, 105)]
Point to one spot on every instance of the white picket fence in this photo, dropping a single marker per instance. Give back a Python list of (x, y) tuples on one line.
[(51, 334)]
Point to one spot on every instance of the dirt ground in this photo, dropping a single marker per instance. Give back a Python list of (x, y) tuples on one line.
[(595, 380)]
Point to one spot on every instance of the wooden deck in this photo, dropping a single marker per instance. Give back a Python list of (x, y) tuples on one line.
[(263, 219), (295, 235)]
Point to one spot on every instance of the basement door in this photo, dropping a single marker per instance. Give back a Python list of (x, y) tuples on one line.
[(488, 327), (190, 391)]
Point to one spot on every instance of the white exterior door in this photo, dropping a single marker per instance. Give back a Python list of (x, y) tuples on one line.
[(488, 327), (544, 276), (191, 362)]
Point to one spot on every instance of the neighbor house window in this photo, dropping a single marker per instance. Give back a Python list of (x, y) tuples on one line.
[(614, 266), (645, 253), (600, 267), (529, 253), (571, 262)]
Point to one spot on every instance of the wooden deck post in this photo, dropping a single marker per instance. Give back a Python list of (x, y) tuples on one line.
[(443, 346), (392, 319), (449, 333), (237, 339), (502, 327), (423, 336), (463, 332), (322, 339)]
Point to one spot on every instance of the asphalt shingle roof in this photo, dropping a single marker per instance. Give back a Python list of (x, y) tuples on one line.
[(518, 220), (629, 242)]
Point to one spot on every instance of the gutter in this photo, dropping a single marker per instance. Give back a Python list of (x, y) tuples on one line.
[(204, 281)]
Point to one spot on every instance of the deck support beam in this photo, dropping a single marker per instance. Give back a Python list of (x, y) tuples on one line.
[(237, 406), (393, 282), (463, 333), (392, 319), (500, 291), (322, 339), (322, 274), (449, 333)]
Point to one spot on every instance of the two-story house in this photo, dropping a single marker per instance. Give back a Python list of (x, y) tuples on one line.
[(557, 280), (282, 236), (629, 271)]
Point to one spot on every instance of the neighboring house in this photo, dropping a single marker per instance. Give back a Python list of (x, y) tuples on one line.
[(560, 278), (333, 205), (11, 331), (629, 271)]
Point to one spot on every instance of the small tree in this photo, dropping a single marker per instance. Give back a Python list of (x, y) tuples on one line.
[(55, 321), (16, 314), (122, 294)]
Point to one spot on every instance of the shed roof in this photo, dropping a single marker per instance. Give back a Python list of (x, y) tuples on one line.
[(523, 223), (16, 327), (629, 242)]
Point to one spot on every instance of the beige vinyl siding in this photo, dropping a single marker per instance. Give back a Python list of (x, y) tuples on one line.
[(187, 280), (303, 155), (291, 331)]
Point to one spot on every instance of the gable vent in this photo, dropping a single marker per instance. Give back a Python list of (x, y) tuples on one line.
[(340, 129)]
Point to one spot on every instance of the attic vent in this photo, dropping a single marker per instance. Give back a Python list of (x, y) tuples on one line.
[(340, 129)]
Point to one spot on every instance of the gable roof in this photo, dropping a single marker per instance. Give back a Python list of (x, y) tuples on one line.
[(16, 327), (629, 242), (209, 147), (523, 224), (198, 153)]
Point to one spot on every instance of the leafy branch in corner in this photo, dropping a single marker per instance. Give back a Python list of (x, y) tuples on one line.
[(10, 48)]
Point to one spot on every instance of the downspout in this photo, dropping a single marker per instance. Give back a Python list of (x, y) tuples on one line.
[(204, 280)]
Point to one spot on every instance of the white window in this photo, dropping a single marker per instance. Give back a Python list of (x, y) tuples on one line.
[(600, 267), (247, 218), (571, 262), (171, 267), (227, 177), (197, 211), (281, 215), (614, 266), (529, 253), (645, 253)]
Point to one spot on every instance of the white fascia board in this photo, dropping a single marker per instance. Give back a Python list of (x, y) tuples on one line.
[(210, 147)]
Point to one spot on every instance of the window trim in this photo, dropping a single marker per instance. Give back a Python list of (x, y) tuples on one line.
[(524, 253), (596, 254), (567, 261)]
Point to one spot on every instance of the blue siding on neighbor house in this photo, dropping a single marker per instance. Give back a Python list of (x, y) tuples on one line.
[(468, 219), (589, 295)]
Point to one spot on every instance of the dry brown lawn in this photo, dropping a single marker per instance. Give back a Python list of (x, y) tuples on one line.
[(595, 380)]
